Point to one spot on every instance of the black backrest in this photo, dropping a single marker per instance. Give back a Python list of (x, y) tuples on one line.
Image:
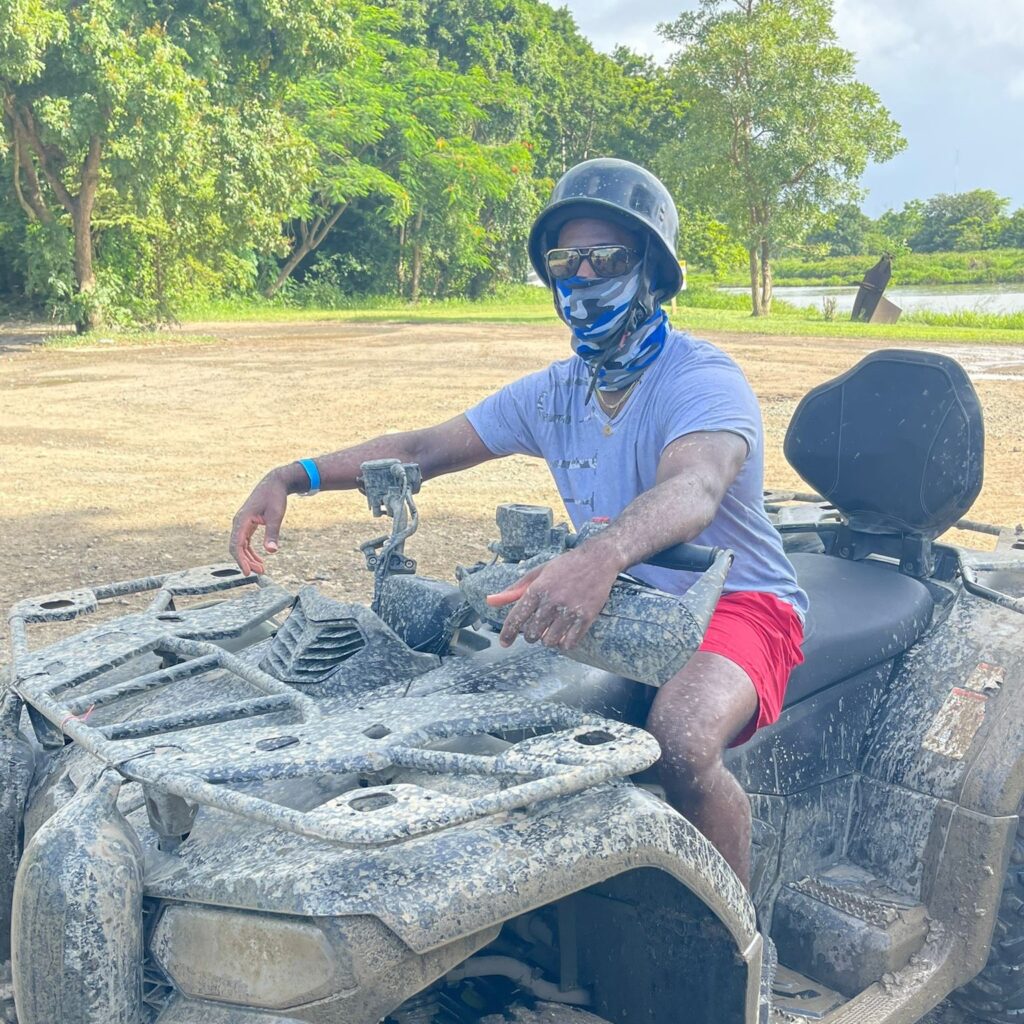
[(896, 443)]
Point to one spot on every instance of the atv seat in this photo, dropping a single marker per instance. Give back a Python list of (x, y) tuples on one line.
[(896, 444), (861, 614)]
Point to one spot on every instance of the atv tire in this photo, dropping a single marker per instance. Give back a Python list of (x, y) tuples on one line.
[(6, 995), (997, 993)]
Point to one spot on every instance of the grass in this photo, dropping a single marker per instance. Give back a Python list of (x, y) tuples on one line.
[(806, 324), (700, 308), (518, 304), (515, 304), (126, 339), (992, 266), (970, 318)]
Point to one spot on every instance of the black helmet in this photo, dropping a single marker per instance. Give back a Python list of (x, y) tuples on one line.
[(619, 191)]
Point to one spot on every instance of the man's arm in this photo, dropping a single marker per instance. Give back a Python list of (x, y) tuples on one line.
[(558, 602), (445, 448), (694, 473)]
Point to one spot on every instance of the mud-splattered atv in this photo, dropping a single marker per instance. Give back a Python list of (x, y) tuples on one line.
[(236, 806)]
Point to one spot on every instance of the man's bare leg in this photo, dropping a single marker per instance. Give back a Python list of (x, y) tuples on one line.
[(695, 716)]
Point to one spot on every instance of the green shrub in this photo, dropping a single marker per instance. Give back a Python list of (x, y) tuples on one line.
[(967, 318)]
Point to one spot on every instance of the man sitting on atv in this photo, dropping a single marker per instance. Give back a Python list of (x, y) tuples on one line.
[(644, 426)]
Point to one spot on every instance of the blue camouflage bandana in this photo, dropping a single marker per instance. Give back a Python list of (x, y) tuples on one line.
[(602, 314)]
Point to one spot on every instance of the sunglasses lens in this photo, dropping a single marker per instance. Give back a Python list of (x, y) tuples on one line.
[(610, 260), (563, 263), (606, 261)]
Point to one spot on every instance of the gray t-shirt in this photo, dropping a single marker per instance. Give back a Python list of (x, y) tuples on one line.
[(691, 387)]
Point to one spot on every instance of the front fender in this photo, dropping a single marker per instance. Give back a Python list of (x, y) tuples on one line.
[(639, 868)]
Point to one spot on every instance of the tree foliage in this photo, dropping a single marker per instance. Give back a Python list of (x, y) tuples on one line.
[(778, 129), (965, 222), (156, 149), (1012, 234), (103, 99), (962, 222), (408, 130)]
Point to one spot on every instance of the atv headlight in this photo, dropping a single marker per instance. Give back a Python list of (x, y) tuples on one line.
[(250, 959)]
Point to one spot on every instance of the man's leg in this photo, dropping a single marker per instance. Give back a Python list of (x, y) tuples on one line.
[(695, 716)]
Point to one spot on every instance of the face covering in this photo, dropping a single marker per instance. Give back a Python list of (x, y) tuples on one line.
[(617, 328)]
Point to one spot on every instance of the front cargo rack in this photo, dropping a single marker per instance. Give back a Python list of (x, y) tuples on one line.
[(215, 755)]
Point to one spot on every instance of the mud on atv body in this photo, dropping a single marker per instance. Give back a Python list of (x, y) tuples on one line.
[(218, 813)]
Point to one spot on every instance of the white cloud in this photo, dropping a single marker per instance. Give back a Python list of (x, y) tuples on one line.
[(877, 33), (951, 71), (982, 38), (633, 23)]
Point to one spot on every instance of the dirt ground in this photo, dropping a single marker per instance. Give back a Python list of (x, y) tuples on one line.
[(121, 462)]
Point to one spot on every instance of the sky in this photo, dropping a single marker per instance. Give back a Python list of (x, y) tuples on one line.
[(950, 71)]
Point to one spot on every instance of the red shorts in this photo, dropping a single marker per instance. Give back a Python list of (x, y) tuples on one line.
[(762, 634)]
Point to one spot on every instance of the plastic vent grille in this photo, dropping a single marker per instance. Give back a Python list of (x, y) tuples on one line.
[(308, 652), (156, 986)]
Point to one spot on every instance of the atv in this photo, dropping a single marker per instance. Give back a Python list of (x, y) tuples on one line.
[(238, 805)]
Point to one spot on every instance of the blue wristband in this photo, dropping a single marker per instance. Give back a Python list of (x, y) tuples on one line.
[(313, 473)]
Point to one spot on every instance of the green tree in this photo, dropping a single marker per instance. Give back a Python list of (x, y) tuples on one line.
[(414, 134), (344, 114), (898, 227), (1012, 235), (708, 244), (846, 233), (777, 128), (425, 166), (574, 102), (101, 98), (961, 222)]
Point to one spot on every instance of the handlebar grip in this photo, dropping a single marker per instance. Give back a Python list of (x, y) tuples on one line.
[(687, 557)]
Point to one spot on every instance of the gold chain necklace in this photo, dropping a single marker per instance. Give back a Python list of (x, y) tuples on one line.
[(613, 411)]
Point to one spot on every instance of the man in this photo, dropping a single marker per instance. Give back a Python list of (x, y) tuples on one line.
[(644, 425)]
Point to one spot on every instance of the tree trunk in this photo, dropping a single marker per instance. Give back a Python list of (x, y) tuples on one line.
[(90, 317), (30, 197), (312, 236), (301, 251), (79, 207), (417, 266), (766, 279), (417, 260), (755, 290), (400, 268)]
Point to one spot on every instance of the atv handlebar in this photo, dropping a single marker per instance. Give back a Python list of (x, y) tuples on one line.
[(683, 557), (686, 557)]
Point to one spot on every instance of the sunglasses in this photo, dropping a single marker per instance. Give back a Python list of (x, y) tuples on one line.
[(604, 260)]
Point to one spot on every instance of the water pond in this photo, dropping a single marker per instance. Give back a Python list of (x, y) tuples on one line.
[(989, 298)]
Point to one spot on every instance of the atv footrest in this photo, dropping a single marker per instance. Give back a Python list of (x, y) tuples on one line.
[(845, 929), (797, 999)]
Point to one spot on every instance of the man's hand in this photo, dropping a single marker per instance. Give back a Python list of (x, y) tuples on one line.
[(264, 507), (558, 602)]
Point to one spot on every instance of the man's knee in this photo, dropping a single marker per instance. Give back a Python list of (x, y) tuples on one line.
[(696, 715), (691, 743)]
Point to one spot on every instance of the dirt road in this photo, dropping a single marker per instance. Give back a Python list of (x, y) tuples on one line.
[(118, 462), (122, 462)]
